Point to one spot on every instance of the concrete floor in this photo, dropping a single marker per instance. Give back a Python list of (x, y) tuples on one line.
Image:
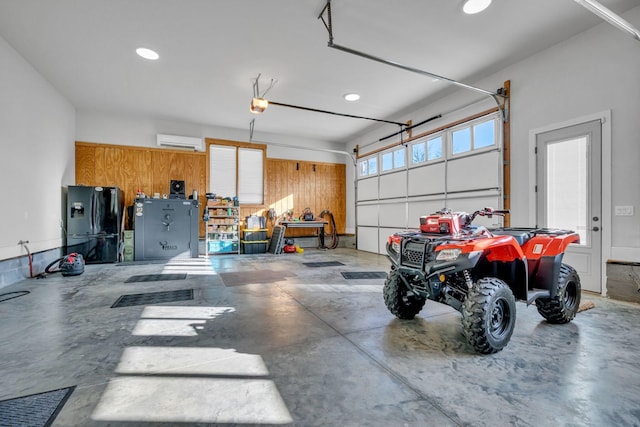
[(305, 348)]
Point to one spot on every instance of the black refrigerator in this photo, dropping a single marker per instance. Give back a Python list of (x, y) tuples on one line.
[(94, 221)]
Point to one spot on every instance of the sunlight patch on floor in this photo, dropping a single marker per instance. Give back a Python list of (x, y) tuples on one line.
[(189, 384), (201, 400), (184, 321), (191, 266), (191, 361)]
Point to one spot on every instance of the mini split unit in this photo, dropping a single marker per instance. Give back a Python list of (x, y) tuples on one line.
[(175, 141)]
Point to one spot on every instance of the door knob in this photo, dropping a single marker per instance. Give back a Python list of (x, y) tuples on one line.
[(596, 229)]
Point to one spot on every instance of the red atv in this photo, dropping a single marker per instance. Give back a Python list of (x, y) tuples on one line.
[(480, 272)]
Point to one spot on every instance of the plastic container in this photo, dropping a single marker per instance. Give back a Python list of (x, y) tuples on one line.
[(254, 235), (222, 246), (255, 247), (255, 222)]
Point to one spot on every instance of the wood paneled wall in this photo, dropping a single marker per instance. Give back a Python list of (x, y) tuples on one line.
[(148, 169), (296, 185), (290, 184)]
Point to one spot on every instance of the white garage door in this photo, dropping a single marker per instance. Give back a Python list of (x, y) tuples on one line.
[(459, 168)]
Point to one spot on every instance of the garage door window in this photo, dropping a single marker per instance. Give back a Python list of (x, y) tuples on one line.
[(418, 153), (479, 135), (368, 167), (484, 134), (393, 160), (426, 150), (461, 141), (434, 148)]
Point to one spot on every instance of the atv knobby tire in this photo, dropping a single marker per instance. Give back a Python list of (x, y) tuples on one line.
[(563, 306), (398, 301), (489, 315)]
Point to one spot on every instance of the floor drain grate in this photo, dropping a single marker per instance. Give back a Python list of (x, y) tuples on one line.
[(364, 274), (34, 410), (153, 298), (323, 264), (156, 277)]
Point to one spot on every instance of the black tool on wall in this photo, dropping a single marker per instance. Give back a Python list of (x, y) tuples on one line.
[(176, 191)]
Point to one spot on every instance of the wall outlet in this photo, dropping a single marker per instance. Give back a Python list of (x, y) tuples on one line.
[(624, 210)]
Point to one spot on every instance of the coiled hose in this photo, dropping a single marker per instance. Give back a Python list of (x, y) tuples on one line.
[(333, 234)]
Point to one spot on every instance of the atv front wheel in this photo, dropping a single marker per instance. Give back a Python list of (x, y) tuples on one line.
[(563, 306), (398, 299), (489, 315)]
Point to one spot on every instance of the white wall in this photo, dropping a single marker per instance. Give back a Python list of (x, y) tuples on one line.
[(37, 127), (141, 131), (595, 71)]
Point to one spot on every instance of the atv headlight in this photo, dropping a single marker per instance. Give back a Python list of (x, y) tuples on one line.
[(395, 246), (448, 254)]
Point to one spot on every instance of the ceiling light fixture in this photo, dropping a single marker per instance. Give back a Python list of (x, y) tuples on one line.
[(609, 16), (475, 6), (351, 97), (147, 53), (258, 105)]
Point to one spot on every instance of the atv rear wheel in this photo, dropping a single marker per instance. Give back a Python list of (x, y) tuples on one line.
[(397, 297), (563, 306), (489, 315)]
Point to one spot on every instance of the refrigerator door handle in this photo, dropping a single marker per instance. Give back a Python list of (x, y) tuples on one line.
[(93, 213)]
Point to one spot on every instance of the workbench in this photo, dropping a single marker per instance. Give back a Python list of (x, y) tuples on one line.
[(308, 224)]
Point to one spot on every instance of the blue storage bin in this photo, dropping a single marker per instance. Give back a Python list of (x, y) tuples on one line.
[(222, 246)]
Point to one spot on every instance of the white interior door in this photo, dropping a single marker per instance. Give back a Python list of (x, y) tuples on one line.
[(569, 185)]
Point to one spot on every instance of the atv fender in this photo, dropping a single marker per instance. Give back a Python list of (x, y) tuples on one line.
[(544, 258), (504, 259), (539, 246), (545, 273)]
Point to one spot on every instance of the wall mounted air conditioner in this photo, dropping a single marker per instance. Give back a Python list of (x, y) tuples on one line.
[(175, 141)]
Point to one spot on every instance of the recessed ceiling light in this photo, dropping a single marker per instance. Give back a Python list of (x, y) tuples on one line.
[(352, 97), (475, 6), (147, 53)]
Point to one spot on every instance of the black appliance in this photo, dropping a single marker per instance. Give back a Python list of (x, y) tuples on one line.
[(94, 221), (165, 228), (176, 190)]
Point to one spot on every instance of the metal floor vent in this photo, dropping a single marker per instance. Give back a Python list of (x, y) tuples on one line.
[(38, 409), (153, 298), (364, 274), (323, 264), (156, 277)]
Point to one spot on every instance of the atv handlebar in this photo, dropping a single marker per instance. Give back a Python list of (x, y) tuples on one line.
[(488, 212)]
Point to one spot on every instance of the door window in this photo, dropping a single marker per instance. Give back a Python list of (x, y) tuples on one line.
[(567, 193)]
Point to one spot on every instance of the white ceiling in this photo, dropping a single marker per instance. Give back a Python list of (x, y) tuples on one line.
[(211, 50)]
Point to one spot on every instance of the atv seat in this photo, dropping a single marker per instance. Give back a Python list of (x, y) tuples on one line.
[(522, 236)]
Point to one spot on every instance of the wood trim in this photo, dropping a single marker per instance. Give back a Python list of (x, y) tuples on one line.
[(506, 153), (238, 144), (308, 162), (235, 143), (430, 132)]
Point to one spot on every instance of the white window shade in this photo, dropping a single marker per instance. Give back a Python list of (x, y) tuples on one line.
[(251, 176), (222, 170)]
